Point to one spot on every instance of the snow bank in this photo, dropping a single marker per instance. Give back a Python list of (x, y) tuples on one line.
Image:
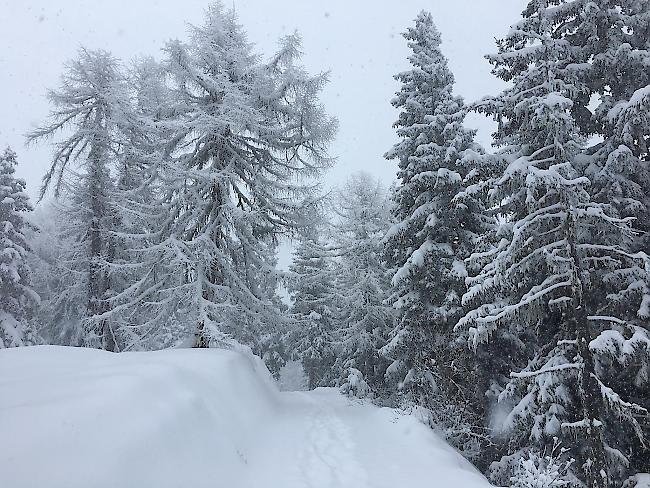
[(79, 417), (74, 417)]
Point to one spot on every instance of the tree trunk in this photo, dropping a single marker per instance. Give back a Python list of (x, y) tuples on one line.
[(97, 278), (590, 398), (200, 341)]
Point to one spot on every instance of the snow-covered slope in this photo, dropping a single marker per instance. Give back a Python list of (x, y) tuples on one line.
[(199, 418)]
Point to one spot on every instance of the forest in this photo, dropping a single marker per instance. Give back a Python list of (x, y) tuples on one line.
[(501, 293)]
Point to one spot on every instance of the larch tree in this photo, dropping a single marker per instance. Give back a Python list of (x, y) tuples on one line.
[(137, 271), (242, 137), (438, 220), (362, 217), (561, 257), (90, 110), (17, 298)]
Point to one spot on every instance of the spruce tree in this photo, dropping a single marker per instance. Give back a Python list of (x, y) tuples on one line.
[(611, 41), (616, 37), (17, 298), (561, 257), (438, 219), (315, 307)]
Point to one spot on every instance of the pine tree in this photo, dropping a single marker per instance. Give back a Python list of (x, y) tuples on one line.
[(561, 257), (363, 212), (17, 298), (438, 219), (91, 108)]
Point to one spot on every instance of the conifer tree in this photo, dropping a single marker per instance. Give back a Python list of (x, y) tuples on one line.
[(91, 110), (140, 181), (17, 298), (59, 315), (363, 216), (314, 311), (561, 259), (616, 37), (611, 41), (239, 138), (438, 219)]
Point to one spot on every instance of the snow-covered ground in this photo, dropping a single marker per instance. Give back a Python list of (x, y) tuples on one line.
[(199, 418)]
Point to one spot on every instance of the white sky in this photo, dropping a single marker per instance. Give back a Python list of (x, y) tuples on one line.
[(357, 40)]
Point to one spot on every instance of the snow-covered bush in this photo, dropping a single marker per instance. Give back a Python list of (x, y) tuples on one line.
[(537, 471), (355, 385)]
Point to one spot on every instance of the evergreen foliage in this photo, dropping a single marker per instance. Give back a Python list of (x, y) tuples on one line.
[(17, 298), (314, 312), (439, 218), (562, 268)]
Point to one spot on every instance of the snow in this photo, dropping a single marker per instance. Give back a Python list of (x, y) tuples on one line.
[(640, 95), (292, 377), (459, 269), (613, 343), (11, 329), (638, 98), (556, 100), (72, 417), (640, 480), (418, 257)]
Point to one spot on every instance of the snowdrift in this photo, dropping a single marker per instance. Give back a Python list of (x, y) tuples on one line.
[(73, 417)]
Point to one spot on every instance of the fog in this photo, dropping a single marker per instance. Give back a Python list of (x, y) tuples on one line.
[(358, 42)]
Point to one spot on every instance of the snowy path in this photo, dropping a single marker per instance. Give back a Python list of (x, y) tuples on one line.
[(334, 442), (329, 457), (312, 441), (185, 418)]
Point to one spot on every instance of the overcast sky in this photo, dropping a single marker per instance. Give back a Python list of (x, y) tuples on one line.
[(358, 41)]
